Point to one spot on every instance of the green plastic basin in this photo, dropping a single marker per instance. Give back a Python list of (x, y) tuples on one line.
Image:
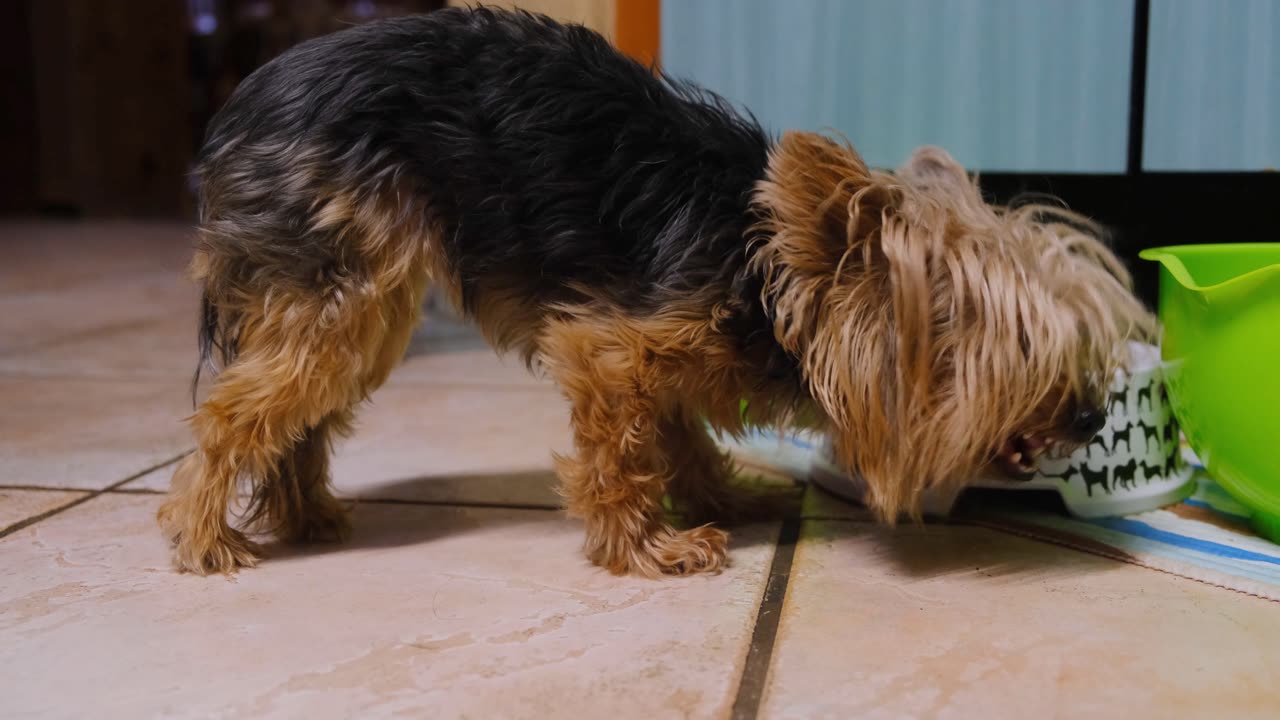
[(1220, 308)]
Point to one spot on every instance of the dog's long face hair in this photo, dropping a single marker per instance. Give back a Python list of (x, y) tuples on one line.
[(938, 334)]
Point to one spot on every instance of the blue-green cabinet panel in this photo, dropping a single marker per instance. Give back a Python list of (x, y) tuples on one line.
[(1014, 85), (1213, 85)]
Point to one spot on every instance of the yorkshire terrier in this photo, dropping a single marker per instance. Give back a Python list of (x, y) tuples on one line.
[(653, 251)]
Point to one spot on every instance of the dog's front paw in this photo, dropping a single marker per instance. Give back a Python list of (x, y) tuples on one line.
[(666, 552), (686, 552)]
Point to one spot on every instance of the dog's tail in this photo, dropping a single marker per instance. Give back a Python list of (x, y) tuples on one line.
[(213, 337), (207, 337)]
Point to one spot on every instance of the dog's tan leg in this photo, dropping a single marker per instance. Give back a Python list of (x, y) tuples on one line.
[(295, 500), (615, 483), (700, 471), (703, 482), (194, 517), (617, 477), (250, 420), (304, 361), (259, 422)]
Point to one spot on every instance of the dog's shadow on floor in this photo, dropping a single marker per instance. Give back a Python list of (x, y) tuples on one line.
[(963, 544), (514, 490), (420, 510)]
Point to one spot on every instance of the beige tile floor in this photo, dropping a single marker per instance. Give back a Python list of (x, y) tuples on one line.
[(462, 592)]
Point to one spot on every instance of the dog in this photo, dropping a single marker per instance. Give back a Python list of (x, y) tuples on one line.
[(1172, 462), (1117, 397), (1093, 477), (1144, 393), (1100, 442), (1150, 437), (654, 251), (1123, 477)]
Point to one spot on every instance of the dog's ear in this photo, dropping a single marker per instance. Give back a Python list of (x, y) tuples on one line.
[(933, 171), (840, 240), (818, 206), (932, 165), (829, 290), (846, 255), (811, 182)]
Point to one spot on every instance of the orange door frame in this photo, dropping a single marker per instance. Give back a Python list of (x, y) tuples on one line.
[(637, 29)]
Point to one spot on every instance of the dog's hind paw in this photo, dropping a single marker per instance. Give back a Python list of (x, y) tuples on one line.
[(225, 554)]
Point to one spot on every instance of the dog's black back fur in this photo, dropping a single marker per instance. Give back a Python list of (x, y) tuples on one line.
[(537, 145)]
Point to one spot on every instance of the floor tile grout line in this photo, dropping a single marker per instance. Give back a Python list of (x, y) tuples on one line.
[(116, 489), (28, 522), (45, 488), (755, 671)]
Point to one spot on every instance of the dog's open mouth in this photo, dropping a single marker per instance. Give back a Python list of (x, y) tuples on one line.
[(1020, 455)]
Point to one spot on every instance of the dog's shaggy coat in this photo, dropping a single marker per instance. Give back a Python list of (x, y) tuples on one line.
[(650, 249)]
